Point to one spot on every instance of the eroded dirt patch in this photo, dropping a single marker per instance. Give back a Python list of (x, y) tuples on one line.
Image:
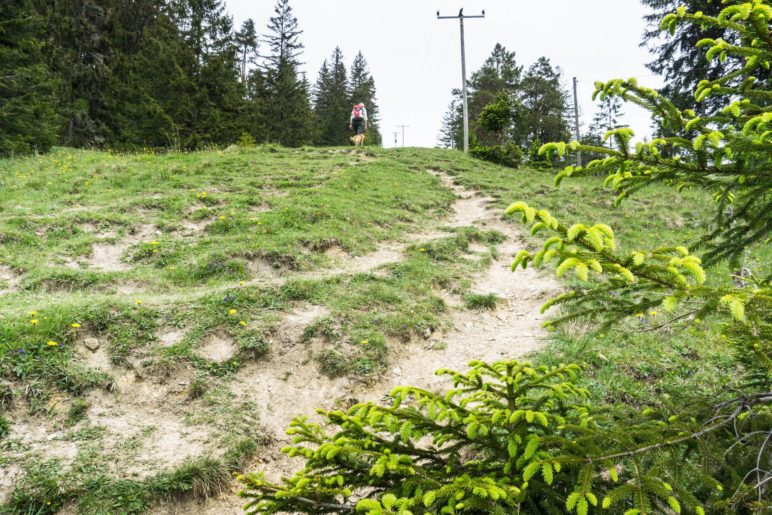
[(9, 281), (288, 383), (108, 257), (169, 336), (218, 347), (145, 427), (9, 474), (262, 268), (192, 228)]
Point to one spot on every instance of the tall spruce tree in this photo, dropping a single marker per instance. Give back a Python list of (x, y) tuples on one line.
[(331, 102), (215, 112), (246, 39), (27, 119), (321, 100), (499, 74), (543, 106), (285, 108), (362, 89)]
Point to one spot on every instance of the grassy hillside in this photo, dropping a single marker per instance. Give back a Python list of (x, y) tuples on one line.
[(183, 267)]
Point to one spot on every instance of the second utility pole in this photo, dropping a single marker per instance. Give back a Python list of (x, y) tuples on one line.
[(576, 125), (403, 133), (463, 68)]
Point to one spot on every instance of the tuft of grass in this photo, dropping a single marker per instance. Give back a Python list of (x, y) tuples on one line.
[(77, 411), (202, 477), (5, 427), (198, 387), (480, 301), (251, 344)]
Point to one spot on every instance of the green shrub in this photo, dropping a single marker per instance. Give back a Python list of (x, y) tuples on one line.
[(508, 438), (508, 154), (246, 141)]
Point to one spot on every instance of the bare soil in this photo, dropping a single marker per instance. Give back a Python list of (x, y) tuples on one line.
[(9, 281), (218, 347), (108, 257)]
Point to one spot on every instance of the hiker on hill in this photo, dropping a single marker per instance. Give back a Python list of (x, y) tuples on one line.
[(358, 120)]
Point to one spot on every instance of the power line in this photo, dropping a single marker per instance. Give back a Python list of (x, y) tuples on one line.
[(702, 69), (461, 18)]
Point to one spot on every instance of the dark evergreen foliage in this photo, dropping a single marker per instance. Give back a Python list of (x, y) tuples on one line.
[(286, 106), (544, 108), (498, 75), (452, 130), (677, 58), (77, 52), (27, 118), (159, 74), (331, 102)]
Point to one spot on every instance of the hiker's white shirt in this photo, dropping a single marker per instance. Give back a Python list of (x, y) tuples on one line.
[(364, 115)]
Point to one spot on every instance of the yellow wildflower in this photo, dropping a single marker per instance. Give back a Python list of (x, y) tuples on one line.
[(364, 342), (222, 217), (51, 343), (232, 311), (138, 302), (241, 283), (242, 323), (75, 325), (34, 321), (653, 313), (422, 249), (639, 315), (154, 242)]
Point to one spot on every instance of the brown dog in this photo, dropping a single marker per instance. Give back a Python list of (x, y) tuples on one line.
[(358, 140)]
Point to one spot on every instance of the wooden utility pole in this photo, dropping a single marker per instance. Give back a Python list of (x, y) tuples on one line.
[(403, 133), (461, 18), (576, 124)]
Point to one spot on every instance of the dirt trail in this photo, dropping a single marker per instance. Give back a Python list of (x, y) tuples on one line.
[(284, 389)]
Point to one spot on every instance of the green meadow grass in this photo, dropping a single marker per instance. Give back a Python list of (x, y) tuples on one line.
[(219, 241)]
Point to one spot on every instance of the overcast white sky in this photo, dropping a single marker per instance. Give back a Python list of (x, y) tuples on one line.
[(415, 59)]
